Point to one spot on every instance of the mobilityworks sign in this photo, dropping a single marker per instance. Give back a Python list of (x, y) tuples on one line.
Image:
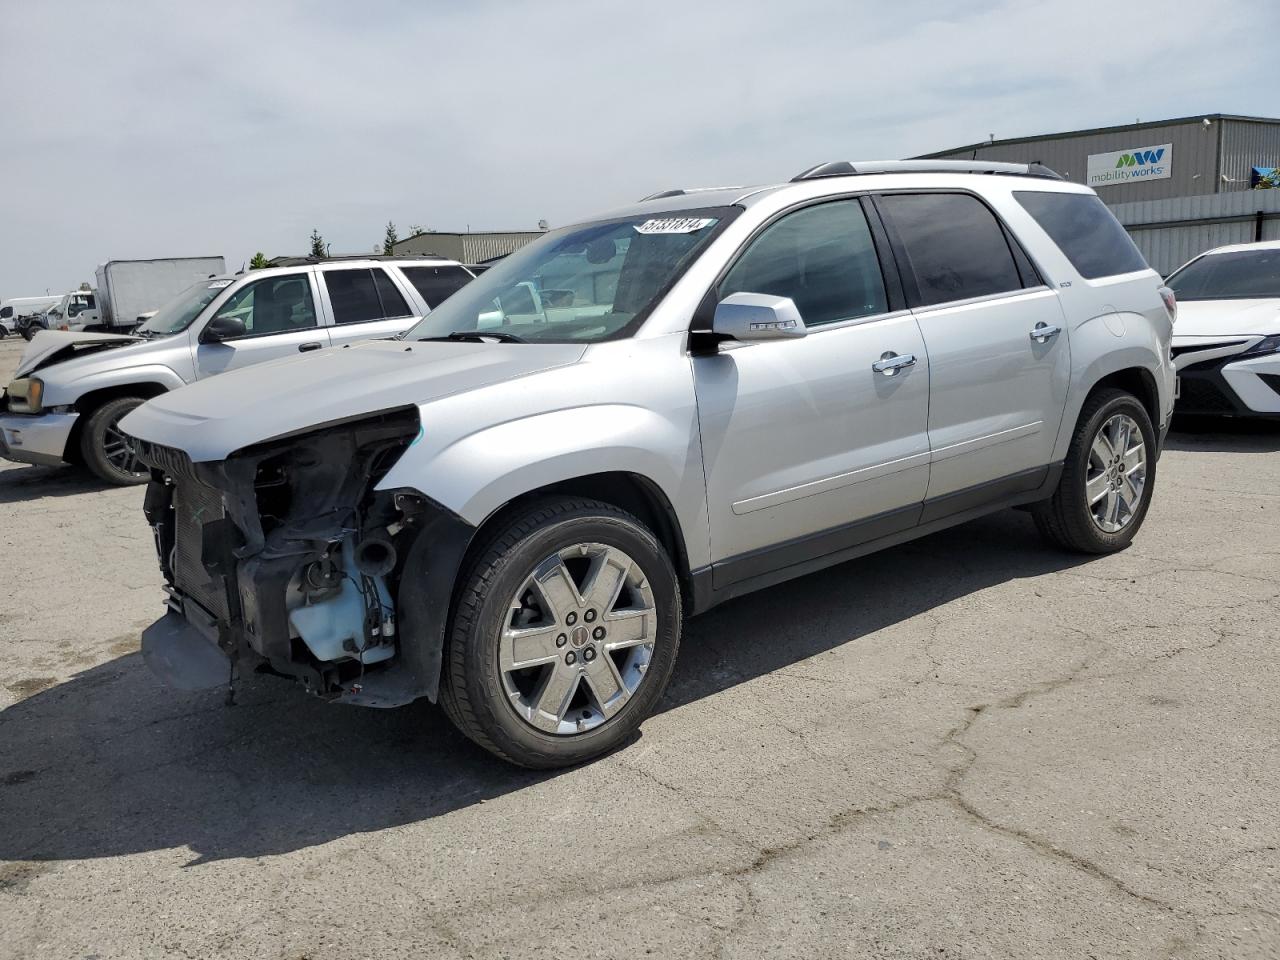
[(1128, 166)]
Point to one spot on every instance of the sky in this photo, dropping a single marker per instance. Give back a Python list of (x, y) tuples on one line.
[(140, 130)]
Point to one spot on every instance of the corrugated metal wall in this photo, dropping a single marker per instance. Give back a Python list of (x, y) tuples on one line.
[(1194, 169), (1246, 145), (466, 247), (1170, 232)]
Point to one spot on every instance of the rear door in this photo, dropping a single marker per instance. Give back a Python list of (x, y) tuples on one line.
[(807, 448), (279, 314), (1000, 361), (367, 303)]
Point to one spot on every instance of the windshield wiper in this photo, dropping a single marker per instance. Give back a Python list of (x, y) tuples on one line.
[(477, 336)]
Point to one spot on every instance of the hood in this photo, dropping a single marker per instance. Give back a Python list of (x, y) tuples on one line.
[(53, 346), (1227, 318), (213, 418)]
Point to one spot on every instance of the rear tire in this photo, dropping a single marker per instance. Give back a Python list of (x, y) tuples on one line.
[(107, 452), (596, 667), (1107, 478)]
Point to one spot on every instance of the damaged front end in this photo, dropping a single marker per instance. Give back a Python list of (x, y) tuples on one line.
[(285, 559)]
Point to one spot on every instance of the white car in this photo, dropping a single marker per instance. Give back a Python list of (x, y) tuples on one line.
[(1226, 344)]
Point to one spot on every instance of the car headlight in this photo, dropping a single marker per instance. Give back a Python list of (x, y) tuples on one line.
[(1265, 345), (26, 395)]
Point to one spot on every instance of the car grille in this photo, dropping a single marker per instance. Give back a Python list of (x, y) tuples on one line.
[(1200, 395)]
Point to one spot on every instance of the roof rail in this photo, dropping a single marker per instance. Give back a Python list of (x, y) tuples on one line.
[(684, 192), (338, 258), (843, 168)]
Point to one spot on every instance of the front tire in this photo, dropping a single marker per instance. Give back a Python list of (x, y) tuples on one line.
[(564, 634), (1107, 479), (107, 451)]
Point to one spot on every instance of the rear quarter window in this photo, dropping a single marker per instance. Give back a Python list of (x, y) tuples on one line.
[(1085, 231)]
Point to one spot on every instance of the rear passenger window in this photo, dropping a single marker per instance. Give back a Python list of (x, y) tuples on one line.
[(436, 283), (955, 247), (1085, 230), (822, 257), (358, 296)]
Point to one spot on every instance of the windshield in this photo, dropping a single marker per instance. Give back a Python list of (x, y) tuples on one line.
[(579, 284), (1242, 275), (178, 313)]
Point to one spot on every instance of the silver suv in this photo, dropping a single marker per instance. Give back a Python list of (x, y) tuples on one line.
[(73, 388), (512, 509)]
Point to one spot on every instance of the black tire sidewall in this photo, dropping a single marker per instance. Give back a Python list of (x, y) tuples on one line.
[(91, 444), (514, 736), (1078, 471)]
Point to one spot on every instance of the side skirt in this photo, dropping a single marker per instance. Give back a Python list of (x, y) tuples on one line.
[(735, 576)]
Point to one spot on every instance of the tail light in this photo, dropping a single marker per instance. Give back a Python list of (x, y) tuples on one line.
[(1170, 303)]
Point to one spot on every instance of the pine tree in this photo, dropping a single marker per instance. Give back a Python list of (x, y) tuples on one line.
[(259, 261), (389, 243), (317, 244)]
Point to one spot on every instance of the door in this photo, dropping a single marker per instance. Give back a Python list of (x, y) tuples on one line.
[(1000, 361), (366, 304), (279, 316), (808, 449)]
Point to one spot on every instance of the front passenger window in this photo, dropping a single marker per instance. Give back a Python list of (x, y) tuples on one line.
[(273, 305), (822, 257)]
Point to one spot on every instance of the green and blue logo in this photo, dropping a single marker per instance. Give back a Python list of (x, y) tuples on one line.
[(1139, 158)]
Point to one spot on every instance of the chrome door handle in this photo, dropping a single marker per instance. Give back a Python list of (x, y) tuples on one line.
[(313, 345), (890, 363), (1043, 332)]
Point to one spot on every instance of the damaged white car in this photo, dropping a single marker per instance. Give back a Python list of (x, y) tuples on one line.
[(73, 388), (1226, 345), (511, 509)]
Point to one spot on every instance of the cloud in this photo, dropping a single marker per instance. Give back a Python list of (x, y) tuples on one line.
[(143, 130)]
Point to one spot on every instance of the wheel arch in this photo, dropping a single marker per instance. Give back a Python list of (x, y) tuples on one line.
[(1135, 380), (633, 492), (445, 549), (88, 402)]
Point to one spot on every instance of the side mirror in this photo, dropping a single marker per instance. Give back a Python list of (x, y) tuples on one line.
[(223, 328), (757, 316)]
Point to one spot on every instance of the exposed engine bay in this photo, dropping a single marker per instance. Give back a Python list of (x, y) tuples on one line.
[(288, 560)]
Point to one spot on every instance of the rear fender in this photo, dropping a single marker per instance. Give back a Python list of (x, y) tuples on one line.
[(1099, 350)]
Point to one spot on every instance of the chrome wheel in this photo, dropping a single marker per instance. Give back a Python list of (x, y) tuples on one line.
[(1117, 473), (579, 638), (119, 451)]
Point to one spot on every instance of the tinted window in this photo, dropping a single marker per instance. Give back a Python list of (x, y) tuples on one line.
[(955, 247), (272, 305), (436, 283), (821, 257), (1084, 229), (6, 313), (393, 304), (1229, 276), (361, 295)]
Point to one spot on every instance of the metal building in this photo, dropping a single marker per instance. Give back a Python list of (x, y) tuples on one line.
[(1179, 186), (1189, 156), (1170, 232), (466, 247)]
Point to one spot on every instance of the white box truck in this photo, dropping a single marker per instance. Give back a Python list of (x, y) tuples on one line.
[(129, 290)]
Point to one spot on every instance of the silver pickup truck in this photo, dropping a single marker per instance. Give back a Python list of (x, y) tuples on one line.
[(72, 388)]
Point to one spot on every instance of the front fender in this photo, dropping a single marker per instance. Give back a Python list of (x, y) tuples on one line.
[(475, 475), (64, 394)]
